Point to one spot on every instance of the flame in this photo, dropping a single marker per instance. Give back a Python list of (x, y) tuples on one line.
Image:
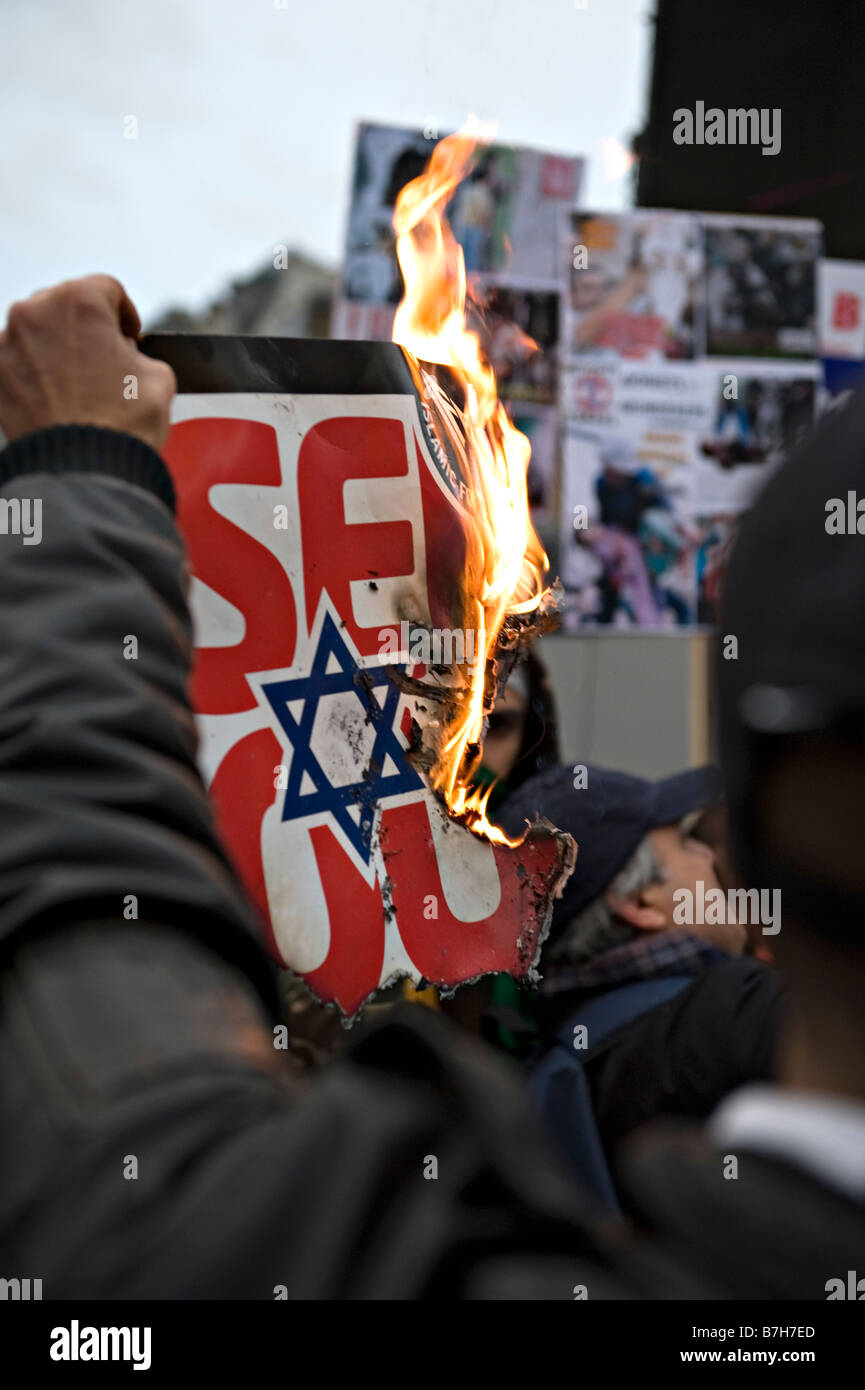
[(505, 568)]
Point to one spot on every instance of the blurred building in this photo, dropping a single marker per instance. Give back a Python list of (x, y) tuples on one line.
[(293, 301), (801, 58)]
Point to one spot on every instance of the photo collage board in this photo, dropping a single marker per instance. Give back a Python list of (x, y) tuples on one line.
[(661, 363)]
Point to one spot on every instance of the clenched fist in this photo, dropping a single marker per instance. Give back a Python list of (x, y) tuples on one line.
[(68, 357)]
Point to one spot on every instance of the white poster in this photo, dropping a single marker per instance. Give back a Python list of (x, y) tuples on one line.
[(634, 286), (841, 297), (505, 214)]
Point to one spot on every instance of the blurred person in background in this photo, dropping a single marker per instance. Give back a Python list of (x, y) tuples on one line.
[(792, 726), (522, 737), (673, 1016)]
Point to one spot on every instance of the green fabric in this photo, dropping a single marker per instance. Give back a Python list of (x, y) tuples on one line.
[(506, 993)]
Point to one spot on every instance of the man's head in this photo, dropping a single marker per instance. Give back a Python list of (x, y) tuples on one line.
[(637, 862), (645, 896)]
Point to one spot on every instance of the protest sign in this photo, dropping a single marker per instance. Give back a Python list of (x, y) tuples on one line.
[(325, 527)]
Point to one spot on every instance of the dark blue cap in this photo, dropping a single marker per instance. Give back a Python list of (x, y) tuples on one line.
[(608, 817)]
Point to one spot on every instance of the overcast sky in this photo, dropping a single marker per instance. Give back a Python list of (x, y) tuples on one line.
[(246, 110)]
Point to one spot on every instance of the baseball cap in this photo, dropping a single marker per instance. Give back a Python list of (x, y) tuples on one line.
[(608, 818)]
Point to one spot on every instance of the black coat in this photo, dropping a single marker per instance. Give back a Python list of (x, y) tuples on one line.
[(770, 1232), (682, 1057)]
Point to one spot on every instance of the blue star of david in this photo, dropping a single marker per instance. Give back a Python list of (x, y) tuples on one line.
[(373, 786)]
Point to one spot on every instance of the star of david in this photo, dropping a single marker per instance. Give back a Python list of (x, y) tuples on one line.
[(374, 783)]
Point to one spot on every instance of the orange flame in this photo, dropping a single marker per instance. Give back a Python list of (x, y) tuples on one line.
[(505, 569)]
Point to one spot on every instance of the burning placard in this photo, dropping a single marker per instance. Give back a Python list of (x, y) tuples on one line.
[(364, 576)]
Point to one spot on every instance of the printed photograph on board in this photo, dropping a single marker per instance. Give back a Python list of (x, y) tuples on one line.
[(505, 214), (761, 287), (755, 420), (627, 540), (634, 285)]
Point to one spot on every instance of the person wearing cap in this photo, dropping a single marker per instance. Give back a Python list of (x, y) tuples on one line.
[(638, 1014), (626, 488)]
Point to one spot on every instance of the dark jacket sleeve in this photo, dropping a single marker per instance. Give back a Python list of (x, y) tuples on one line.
[(684, 1057), (102, 809), (156, 1144)]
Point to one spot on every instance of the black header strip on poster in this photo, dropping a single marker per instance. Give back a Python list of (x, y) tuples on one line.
[(305, 366), (208, 364)]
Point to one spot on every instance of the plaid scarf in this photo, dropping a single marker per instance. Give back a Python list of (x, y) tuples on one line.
[(671, 952)]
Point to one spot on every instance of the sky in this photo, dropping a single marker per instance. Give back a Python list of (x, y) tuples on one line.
[(245, 113)]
